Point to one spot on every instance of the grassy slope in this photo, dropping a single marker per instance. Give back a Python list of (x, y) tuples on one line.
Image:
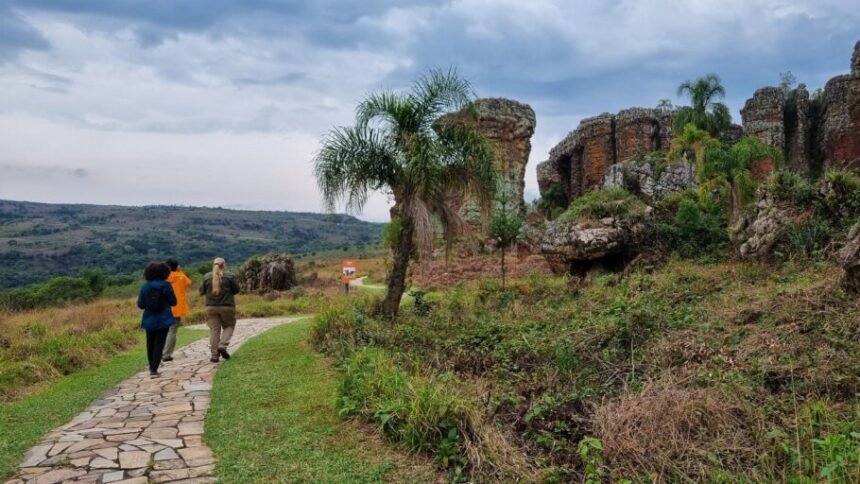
[(25, 421), (273, 420)]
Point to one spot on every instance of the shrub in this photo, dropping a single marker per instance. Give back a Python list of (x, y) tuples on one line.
[(698, 228), (422, 413), (789, 187), (612, 202)]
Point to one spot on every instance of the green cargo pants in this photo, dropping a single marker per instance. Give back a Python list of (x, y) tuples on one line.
[(221, 321), (170, 344)]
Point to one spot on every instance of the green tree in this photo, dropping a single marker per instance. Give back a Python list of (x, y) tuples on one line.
[(691, 140), (505, 230), (399, 145), (727, 171), (705, 111)]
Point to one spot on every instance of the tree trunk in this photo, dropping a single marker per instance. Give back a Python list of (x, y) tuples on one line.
[(402, 251), (503, 267), (734, 204)]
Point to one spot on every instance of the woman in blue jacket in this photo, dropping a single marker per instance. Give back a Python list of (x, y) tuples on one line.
[(156, 298)]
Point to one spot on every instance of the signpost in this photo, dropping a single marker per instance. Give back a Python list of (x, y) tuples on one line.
[(347, 273)]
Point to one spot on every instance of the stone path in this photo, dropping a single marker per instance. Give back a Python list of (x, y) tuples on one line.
[(143, 430)]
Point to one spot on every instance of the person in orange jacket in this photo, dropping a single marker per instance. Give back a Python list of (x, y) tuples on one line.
[(180, 283)]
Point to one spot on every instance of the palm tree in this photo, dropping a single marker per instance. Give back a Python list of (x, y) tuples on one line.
[(728, 171), (399, 145), (705, 112)]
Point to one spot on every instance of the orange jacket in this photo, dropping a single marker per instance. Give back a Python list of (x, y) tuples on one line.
[(180, 282)]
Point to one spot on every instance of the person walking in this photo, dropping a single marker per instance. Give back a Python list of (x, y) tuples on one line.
[(156, 298), (219, 287), (180, 283)]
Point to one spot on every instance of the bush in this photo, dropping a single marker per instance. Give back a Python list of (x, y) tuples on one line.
[(422, 413), (698, 228), (789, 187), (612, 202)]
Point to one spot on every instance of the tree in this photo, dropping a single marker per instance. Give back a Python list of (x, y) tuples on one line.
[(505, 229), (786, 82), (728, 171), (691, 140), (665, 106), (399, 145), (705, 112)]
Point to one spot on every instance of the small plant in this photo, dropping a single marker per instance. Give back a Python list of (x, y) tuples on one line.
[(505, 229), (590, 451)]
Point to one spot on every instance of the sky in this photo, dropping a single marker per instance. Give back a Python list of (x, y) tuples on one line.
[(224, 102)]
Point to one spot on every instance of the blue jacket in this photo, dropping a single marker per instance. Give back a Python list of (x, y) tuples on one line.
[(164, 318)]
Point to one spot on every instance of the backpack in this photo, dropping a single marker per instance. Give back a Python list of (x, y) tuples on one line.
[(154, 301)]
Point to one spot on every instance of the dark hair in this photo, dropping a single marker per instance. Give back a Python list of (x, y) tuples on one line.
[(172, 263), (156, 271)]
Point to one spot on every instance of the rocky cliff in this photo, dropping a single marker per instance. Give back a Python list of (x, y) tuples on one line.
[(509, 125), (582, 159), (826, 127), (820, 130), (839, 117)]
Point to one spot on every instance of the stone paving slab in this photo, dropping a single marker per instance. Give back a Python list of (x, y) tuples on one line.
[(143, 430)]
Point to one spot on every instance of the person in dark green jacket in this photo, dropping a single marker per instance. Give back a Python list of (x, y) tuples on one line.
[(156, 297), (219, 287)]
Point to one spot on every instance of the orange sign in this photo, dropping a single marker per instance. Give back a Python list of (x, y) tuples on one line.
[(347, 271)]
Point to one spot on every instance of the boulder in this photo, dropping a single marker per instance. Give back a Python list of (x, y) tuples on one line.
[(840, 118), (849, 257), (272, 272), (570, 246), (643, 177), (759, 230)]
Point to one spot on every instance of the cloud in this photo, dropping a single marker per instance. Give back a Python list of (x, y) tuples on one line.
[(252, 71), (17, 35)]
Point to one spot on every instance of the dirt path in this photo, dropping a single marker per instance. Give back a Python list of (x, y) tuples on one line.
[(144, 429)]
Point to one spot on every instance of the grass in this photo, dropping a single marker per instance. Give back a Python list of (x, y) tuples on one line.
[(693, 372), (610, 202), (25, 421), (273, 419)]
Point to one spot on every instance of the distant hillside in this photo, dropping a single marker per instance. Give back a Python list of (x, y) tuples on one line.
[(40, 240)]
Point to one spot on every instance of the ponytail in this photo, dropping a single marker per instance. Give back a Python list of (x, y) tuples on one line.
[(217, 272)]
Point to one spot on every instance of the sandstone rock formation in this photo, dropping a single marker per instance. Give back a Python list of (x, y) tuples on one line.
[(581, 160), (764, 116), (849, 256), (762, 227), (798, 130), (840, 118), (644, 178), (573, 246), (509, 125), (272, 272)]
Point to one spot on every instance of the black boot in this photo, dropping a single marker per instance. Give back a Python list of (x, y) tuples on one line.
[(223, 353)]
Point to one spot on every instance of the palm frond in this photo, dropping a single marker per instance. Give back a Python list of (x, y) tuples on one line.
[(440, 92), (421, 214), (393, 109), (353, 162)]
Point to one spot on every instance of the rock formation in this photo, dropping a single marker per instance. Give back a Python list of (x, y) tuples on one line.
[(849, 256), (581, 160), (509, 125), (758, 231), (643, 177), (798, 130), (574, 246), (764, 116), (272, 272), (840, 118)]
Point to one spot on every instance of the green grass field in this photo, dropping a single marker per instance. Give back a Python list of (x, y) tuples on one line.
[(24, 421), (273, 419)]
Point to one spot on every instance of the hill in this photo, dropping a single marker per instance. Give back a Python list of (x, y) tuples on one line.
[(40, 240)]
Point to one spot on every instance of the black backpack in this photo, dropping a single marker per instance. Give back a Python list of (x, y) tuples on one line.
[(154, 300)]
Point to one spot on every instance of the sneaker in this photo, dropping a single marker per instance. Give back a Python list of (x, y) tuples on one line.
[(154, 374), (214, 360), (223, 353), (167, 358)]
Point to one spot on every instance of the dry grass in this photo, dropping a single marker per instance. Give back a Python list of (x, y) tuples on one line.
[(670, 430)]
